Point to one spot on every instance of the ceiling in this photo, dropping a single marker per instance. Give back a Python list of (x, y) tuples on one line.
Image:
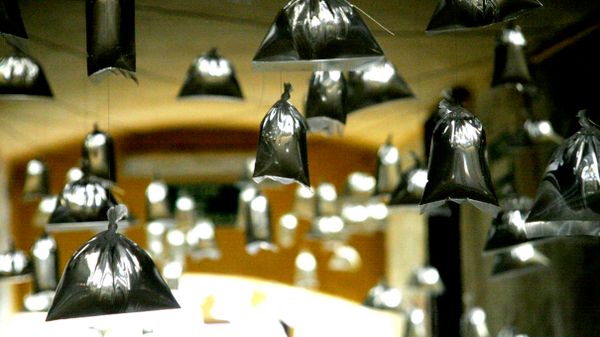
[(169, 34)]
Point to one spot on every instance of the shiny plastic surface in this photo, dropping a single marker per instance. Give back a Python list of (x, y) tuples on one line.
[(458, 169), (415, 323), (247, 192), (474, 323), (211, 75), (508, 227), (43, 211), (388, 170), (259, 230), (384, 297), (287, 227), (98, 152), (325, 104), (282, 154), (326, 200), (15, 266), (426, 280), (82, 205), (202, 241), (568, 198), (304, 202), (157, 200), (411, 187), (10, 19), (110, 274), (317, 35), (22, 78), (453, 15), (375, 83), (37, 181), (110, 31), (44, 259), (510, 64), (520, 260)]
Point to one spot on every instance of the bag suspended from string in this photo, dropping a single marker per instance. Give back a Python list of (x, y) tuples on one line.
[(458, 169), (282, 154), (568, 198), (453, 15), (110, 31), (110, 274)]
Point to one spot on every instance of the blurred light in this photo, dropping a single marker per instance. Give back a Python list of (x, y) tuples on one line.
[(74, 174), (327, 192), (417, 316), (156, 191), (355, 213), (259, 204), (288, 221), (176, 238), (378, 211), (523, 252), (185, 204)]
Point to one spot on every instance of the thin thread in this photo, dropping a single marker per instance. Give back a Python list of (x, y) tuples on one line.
[(108, 104)]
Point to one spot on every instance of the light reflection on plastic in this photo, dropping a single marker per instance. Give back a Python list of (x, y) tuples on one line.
[(35, 167), (306, 261), (391, 298), (156, 228), (47, 205), (378, 211), (362, 182), (304, 192), (391, 156), (156, 192), (477, 317), (523, 252), (184, 203), (429, 276), (516, 37), (176, 238), (330, 224), (214, 67), (417, 316), (18, 70), (74, 174), (355, 213), (327, 192), (289, 221), (259, 204), (381, 73)]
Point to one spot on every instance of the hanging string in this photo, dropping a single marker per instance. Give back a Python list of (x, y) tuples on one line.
[(108, 104)]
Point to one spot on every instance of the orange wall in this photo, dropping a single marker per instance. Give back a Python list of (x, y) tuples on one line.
[(330, 160)]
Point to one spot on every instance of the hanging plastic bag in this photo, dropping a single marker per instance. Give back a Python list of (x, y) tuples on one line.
[(110, 274), (22, 77), (453, 15), (10, 19), (410, 189), (82, 205), (325, 103), (388, 171), (98, 151), (37, 181), (508, 227), (259, 230), (317, 35), (282, 152), (458, 169), (110, 30), (211, 76), (375, 83), (568, 199), (510, 63)]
